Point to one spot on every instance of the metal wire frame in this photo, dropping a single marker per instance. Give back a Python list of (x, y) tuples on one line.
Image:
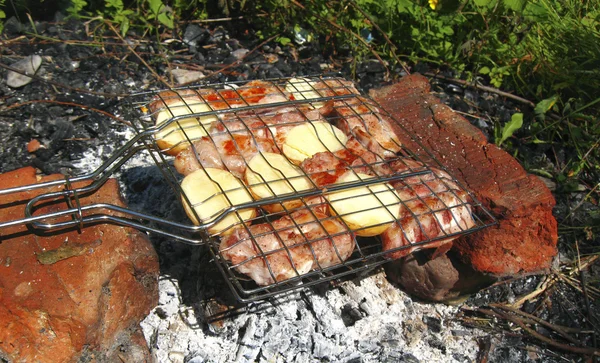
[(233, 106)]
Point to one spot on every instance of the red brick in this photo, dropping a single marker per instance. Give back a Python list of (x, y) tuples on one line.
[(65, 291), (526, 236)]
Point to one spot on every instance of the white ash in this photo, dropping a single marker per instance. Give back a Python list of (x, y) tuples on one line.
[(93, 159), (306, 326)]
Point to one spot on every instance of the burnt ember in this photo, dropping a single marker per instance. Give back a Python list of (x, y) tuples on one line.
[(72, 117)]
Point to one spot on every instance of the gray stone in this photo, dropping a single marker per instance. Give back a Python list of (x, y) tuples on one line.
[(440, 279), (27, 66), (184, 76), (240, 53), (195, 35)]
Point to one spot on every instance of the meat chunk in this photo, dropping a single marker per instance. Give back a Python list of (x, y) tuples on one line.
[(436, 208), (289, 247), (368, 124)]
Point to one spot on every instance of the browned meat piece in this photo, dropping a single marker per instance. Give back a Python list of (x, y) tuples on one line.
[(363, 120), (325, 168), (233, 142), (435, 207), (289, 247)]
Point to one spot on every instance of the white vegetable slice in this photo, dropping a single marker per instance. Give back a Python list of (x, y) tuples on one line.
[(272, 175), (307, 139), (303, 89), (174, 137), (206, 198), (368, 210)]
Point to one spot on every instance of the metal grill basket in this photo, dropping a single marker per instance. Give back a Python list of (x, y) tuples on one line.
[(343, 197)]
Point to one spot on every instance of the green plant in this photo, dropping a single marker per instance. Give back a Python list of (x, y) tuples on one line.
[(76, 7), (502, 133), (117, 12), (2, 15), (161, 13)]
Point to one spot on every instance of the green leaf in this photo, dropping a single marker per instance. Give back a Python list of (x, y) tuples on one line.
[(447, 30), (484, 70), (482, 3), (515, 123), (404, 6), (166, 20), (116, 4), (535, 12), (124, 27), (544, 106), (284, 40), (516, 5), (155, 6)]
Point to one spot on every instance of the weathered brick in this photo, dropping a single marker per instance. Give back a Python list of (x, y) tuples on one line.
[(66, 293), (525, 239)]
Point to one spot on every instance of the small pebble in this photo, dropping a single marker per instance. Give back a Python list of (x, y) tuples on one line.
[(28, 65), (240, 53), (183, 76)]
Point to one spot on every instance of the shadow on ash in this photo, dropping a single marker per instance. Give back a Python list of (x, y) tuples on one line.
[(394, 313)]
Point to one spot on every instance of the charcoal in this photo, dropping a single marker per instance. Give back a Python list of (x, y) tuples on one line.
[(455, 89), (195, 36), (434, 324), (12, 27)]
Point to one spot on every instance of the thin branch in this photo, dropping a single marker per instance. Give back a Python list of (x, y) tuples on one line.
[(540, 337), (542, 286), (586, 298), (7, 41), (236, 63), (483, 88), (218, 20), (60, 85), (358, 37), (17, 105), (138, 56), (562, 330)]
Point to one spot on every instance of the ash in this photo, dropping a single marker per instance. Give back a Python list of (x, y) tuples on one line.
[(366, 320)]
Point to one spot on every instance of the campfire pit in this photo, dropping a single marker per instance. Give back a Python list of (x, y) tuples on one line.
[(355, 317)]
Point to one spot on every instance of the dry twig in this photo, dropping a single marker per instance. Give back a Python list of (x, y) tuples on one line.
[(516, 320), (138, 56), (483, 88), (17, 105), (236, 63), (562, 330)]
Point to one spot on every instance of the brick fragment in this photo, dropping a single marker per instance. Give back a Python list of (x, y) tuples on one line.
[(67, 295)]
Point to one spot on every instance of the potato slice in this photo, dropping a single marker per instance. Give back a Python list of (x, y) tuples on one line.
[(271, 175), (202, 189), (174, 137), (303, 89), (307, 139), (368, 210)]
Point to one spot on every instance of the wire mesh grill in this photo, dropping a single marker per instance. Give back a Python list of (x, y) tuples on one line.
[(288, 182), (299, 181)]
